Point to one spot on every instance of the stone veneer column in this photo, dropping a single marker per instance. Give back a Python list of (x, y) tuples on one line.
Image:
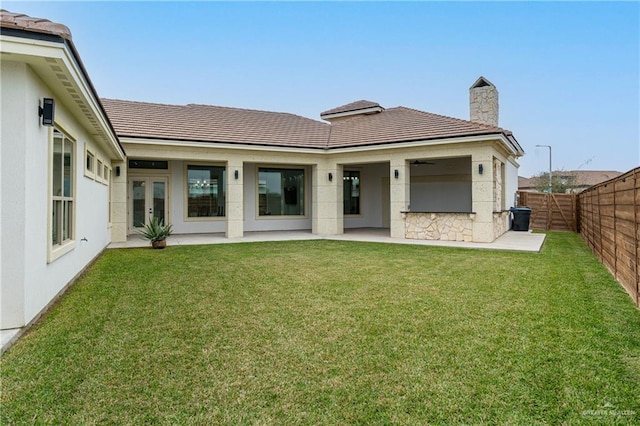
[(327, 205), (235, 200), (482, 197), (399, 196), (497, 185), (118, 202)]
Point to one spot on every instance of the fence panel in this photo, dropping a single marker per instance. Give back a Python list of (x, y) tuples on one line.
[(555, 212), (609, 222), (607, 216)]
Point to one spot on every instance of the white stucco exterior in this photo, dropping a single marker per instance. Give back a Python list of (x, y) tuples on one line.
[(32, 273)]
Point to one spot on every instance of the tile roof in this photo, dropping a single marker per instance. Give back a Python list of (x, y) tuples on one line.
[(37, 25), (353, 106), (215, 124), (402, 124), (234, 125)]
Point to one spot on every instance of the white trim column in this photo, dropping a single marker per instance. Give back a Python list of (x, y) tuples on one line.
[(327, 205), (399, 195), (118, 201), (235, 200), (482, 196)]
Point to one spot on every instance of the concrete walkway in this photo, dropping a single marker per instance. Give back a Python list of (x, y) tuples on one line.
[(512, 240)]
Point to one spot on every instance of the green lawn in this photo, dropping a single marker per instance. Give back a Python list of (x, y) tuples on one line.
[(328, 332)]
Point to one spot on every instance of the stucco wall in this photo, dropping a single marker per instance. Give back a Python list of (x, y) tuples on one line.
[(29, 282), (374, 179)]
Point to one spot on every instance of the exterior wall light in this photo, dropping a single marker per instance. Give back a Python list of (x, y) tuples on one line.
[(330, 176), (47, 111), (480, 168), (396, 174), (117, 170), (236, 174)]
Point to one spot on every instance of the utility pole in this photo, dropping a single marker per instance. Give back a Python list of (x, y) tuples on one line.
[(550, 184)]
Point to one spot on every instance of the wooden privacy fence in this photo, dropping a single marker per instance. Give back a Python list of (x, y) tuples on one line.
[(609, 222), (555, 212)]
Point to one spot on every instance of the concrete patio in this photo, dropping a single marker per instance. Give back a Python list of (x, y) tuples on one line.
[(511, 240)]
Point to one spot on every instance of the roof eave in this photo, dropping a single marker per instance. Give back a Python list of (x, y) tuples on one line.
[(68, 46)]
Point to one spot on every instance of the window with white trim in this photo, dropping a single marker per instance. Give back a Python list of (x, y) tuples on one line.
[(62, 187), (90, 164)]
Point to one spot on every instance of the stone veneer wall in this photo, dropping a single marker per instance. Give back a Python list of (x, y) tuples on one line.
[(438, 226), (497, 185), (499, 223), (483, 105)]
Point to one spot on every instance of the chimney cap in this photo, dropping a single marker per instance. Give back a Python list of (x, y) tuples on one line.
[(481, 82)]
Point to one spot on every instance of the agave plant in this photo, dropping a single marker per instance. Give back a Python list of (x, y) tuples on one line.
[(155, 230)]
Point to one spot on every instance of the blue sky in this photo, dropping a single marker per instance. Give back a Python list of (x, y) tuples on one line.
[(567, 72)]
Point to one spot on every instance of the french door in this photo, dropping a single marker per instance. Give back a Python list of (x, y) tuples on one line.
[(148, 198)]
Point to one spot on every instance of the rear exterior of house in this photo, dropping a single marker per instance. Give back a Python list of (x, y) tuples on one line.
[(227, 170), (95, 171)]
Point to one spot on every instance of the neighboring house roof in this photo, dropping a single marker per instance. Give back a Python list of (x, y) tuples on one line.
[(588, 177), (579, 178), (524, 182), (37, 25), (213, 124)]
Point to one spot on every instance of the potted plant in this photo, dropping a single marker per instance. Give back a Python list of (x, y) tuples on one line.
[(156, 232)]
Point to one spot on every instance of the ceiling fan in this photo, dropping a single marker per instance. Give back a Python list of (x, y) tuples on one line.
[(417, 163)]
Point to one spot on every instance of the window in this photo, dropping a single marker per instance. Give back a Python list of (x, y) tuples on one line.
[(62, 197), (351, 192), (99, 170), (280, 192), (205, 191), (89, 169)]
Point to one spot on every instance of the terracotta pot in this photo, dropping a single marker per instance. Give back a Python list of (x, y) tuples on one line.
[(159, 244)]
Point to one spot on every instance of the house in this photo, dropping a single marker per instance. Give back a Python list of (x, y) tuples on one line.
[(98, 169), (572, 181)]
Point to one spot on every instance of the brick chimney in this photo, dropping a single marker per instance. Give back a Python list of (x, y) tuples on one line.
[(483, 102)]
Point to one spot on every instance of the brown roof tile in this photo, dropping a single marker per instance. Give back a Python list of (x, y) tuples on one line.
[(215, 124), (353, 106), (402, 124), (234, 125), (27, 23)]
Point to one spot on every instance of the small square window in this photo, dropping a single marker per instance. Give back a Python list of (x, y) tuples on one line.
[(90, 160), (89, 164)]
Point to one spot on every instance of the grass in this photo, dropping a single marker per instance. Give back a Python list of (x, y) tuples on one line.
[(328, 332)]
